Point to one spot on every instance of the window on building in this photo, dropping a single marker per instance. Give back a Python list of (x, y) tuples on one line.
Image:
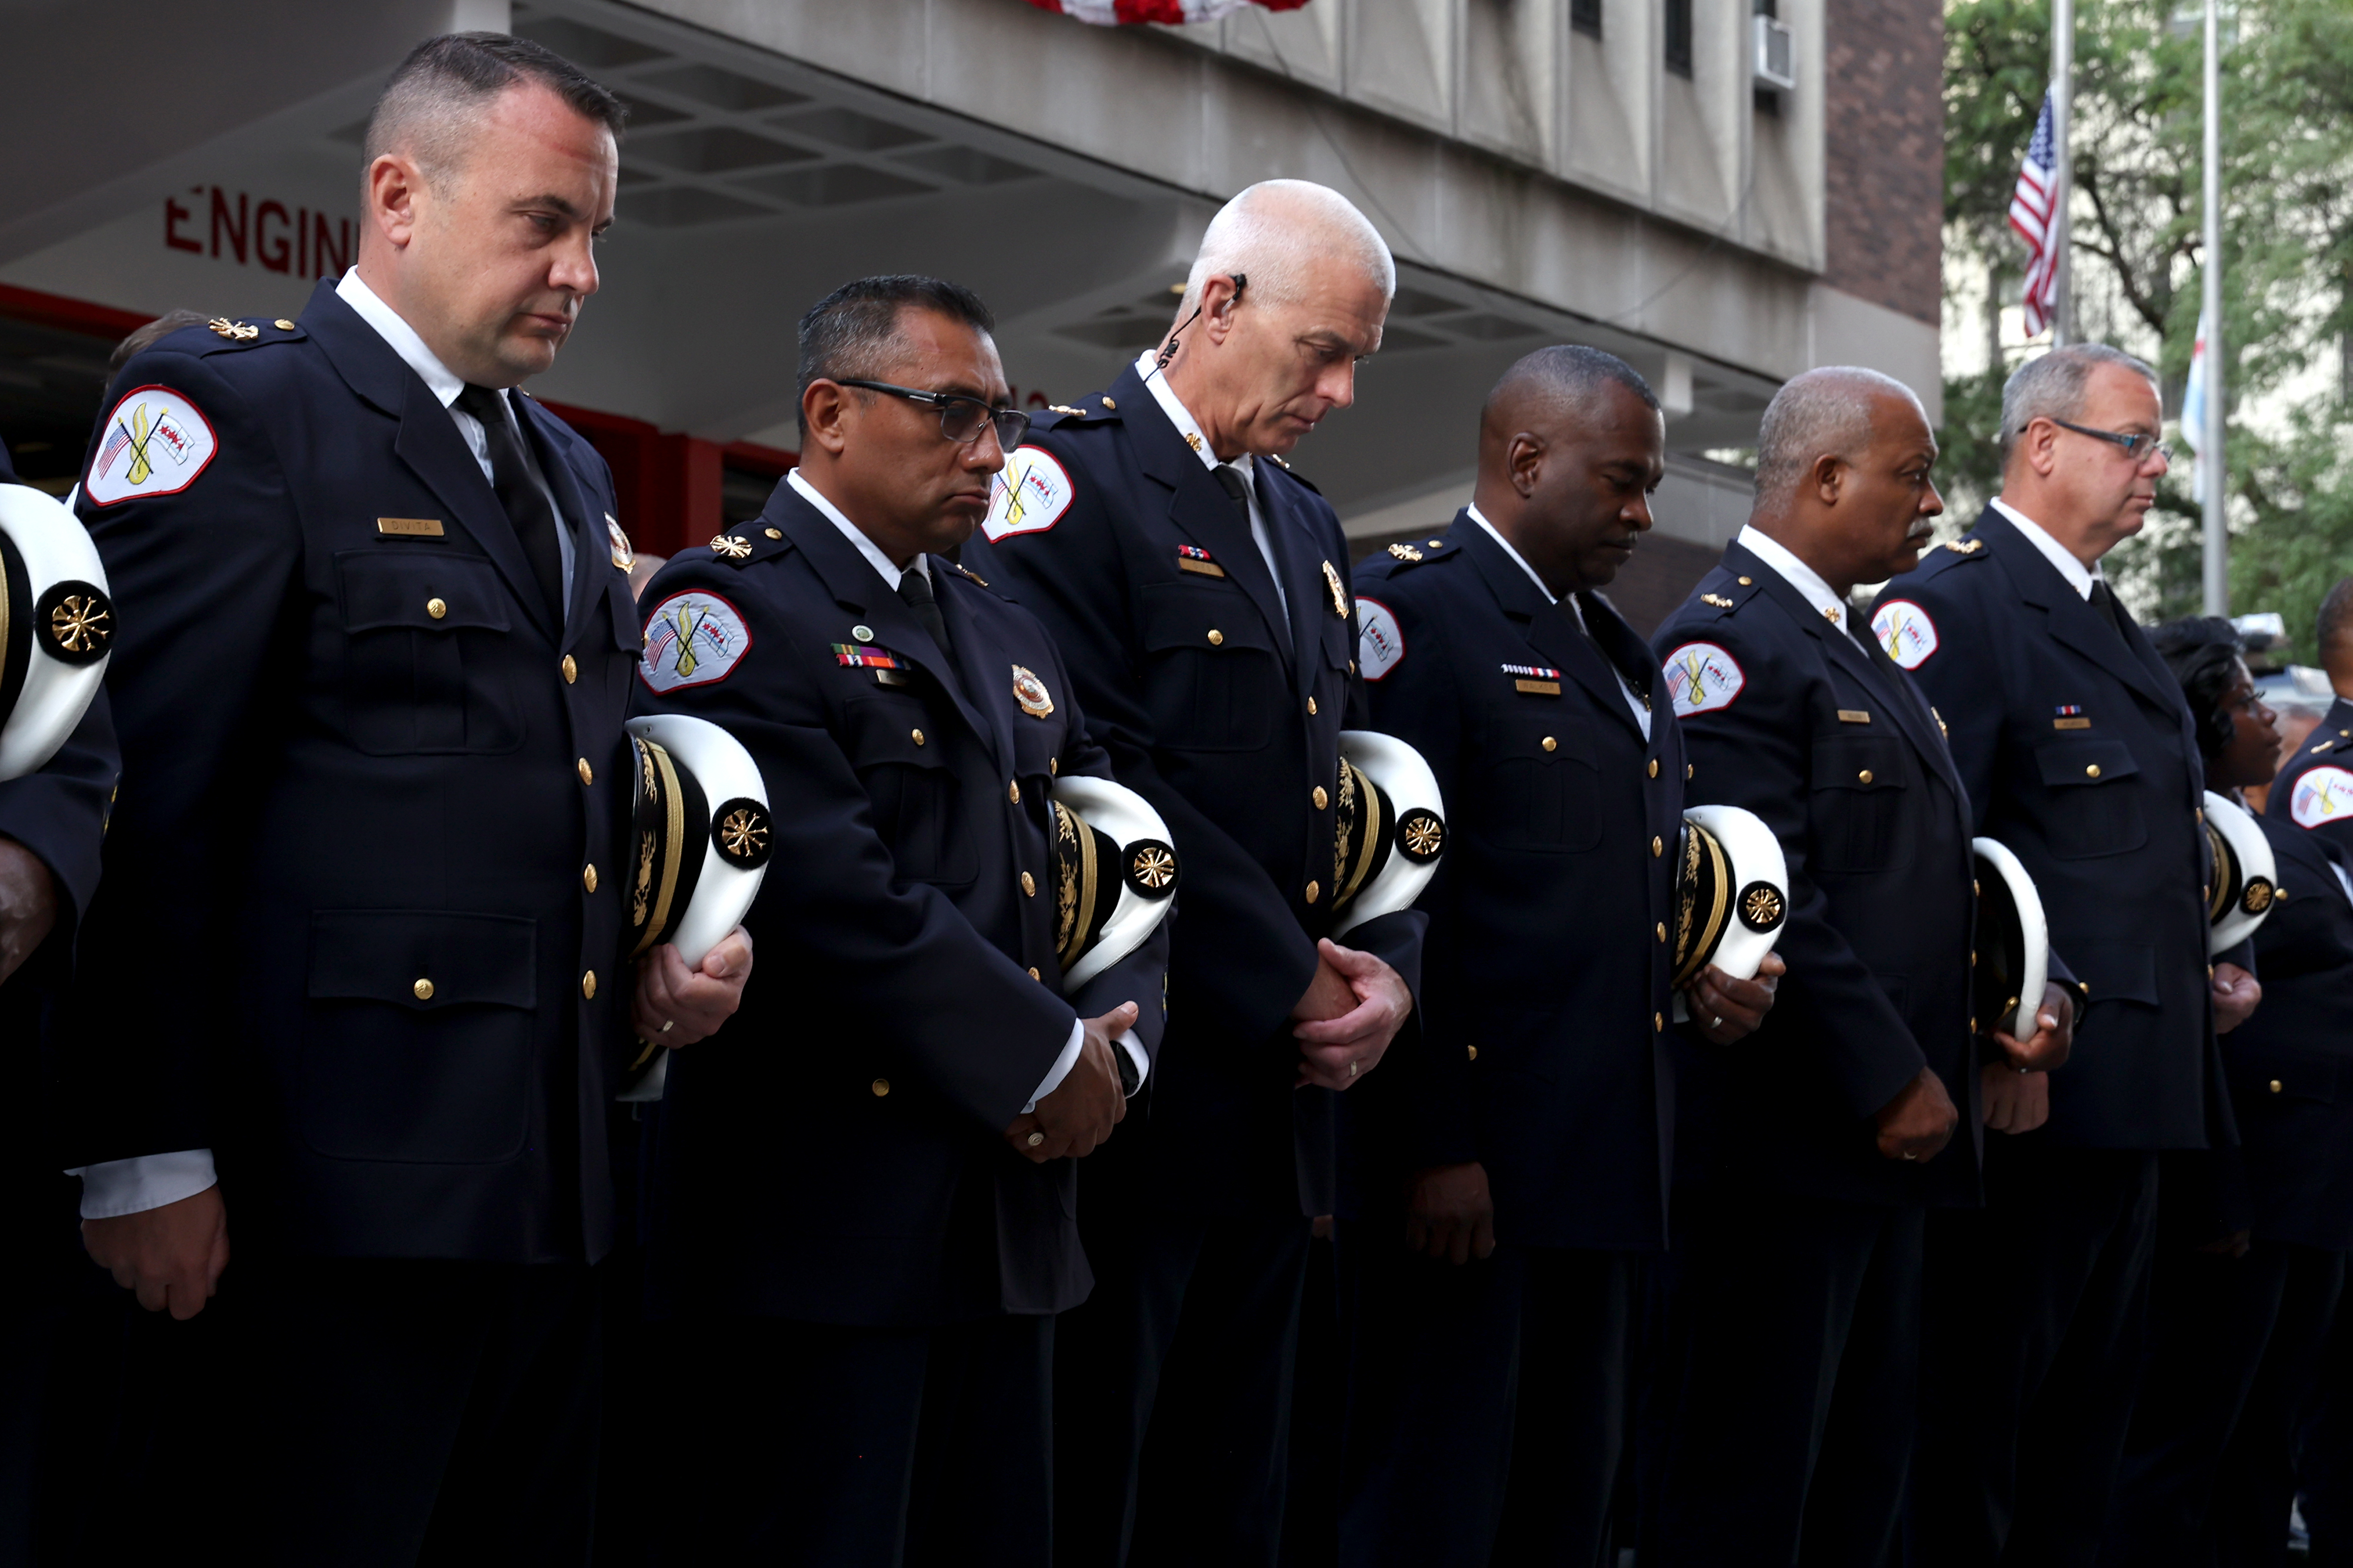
[(1679, 36), (1585, 15)]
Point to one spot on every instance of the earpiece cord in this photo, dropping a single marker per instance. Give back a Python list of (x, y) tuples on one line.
[(1168, 349)]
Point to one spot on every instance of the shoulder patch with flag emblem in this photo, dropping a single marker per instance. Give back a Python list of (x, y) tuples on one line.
[(1702, 678), (2324, 795), (1032, 492), (693, 639), (1905, 630), (155, 442), (1380, 646)]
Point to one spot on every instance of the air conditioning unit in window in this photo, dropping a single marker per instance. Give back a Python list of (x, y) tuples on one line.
[(1777, 55)]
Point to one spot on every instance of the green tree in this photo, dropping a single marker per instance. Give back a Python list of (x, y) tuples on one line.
[(2287, 177)]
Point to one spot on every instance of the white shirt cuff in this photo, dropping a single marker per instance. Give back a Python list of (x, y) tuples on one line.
[(113, 1188), (1138, 1055), (1062, 1068)]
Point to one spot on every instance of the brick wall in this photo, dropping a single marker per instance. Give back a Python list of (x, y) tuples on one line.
[(1883, 153)]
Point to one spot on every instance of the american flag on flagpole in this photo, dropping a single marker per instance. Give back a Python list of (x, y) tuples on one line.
[(2030, 215), (1121, 13)]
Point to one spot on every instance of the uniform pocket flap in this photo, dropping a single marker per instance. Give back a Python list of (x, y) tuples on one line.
[(878, 729), (2115, 970), (424, 958), (427, 590), (2087, 760), (1860, 762), (1202, 616)]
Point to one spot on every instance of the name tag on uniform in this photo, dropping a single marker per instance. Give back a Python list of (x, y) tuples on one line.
[(2070, 717), (1193, 558), (410, 526), (890, 678), (1853, 716), (1534, 679)]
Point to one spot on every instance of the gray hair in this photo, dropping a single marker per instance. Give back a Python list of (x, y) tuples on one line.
[(438, 96), (1276, 230), (1823, 413), (2051, 386)]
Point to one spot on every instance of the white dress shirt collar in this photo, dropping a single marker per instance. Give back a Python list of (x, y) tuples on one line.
[(1521, 561), (440, 380), (1797, 574), (2079, 576), (855, 534), (1182, 417)]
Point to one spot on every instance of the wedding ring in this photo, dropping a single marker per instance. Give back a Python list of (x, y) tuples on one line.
[(1715, 1023), (1909, 1155), (1037, 1138), (669, 1023)]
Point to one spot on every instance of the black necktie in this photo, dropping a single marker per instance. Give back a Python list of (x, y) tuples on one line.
[(916, 589), (2110, 611), (1235, 486), (526, 504)]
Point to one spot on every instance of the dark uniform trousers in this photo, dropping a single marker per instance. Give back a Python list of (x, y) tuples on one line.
[(1779, 1427), (2234, 1366), (369, 765), (1220, 699), (2078, 755), (1487, 1402), (52, 1417), (854, 1279)]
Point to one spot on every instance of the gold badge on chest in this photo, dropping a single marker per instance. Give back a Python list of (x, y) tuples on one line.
[(1339, 594), (624, 556), (1031, 694)]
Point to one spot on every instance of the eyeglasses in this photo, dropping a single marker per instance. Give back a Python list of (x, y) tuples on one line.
[(961, 417), (2137, 447)]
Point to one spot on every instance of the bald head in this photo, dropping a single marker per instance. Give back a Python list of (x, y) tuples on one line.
[(1277, 233)]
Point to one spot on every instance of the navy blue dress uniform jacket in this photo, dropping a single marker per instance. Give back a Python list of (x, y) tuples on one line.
[(1545, 987), (1226, 714), (2291, 1063), (2079, 754), (365, 774), (837, 1156), (1875, 824)]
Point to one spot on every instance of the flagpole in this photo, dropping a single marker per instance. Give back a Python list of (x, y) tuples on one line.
[(2062, 170), (2211, 466)]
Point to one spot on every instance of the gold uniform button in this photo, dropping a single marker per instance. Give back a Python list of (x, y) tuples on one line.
[(571, 670), (1321, 800), (1054, 766), (588, 878), (1217, 637), (882, 1087), (1976, 892), (1310, 708), (436, 608), (1473, 1051), (1654, 767), (1973, 1026), (1662, 930), (1863, 777), (2200, 813), (917, 735), (283, 325), (589, 985), (1747, 582), (2092, 771), (1658, 848), (1107, 403), (587, 773), (1013, 791), (776, 533), (1035, 976), (424, 989), (1029, 884), (1315, 891), (2276, 1086), (1657, 1022), (1550, 744), (1687, 767), (1973, 958)]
